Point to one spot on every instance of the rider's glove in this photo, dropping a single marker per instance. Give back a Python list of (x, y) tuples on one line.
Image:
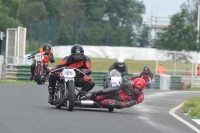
[(29, 57)]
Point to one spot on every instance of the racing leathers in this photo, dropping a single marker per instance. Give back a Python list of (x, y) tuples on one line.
[(119, 97), (83, 64), (47, 57)]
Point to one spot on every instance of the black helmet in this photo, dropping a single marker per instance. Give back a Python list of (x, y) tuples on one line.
[(46, 46), (146, 69), (77, 51)]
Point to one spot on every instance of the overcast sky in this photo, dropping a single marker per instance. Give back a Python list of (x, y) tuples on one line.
[(161, 8)]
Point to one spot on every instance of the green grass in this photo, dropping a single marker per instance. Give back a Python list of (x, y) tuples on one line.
[(135, 66), (15, 82), (192, 107), (193, 89)]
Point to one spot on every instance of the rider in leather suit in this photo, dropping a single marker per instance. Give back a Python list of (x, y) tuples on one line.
[(48, 56), (147, 75), (78, 60), (121, 66), (123, 96)]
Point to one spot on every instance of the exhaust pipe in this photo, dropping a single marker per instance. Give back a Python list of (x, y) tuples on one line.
[(85, 102)]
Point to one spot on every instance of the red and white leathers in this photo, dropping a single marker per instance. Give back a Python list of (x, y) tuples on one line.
[(123, 96)]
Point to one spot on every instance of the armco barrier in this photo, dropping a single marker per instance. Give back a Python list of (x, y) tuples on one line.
[(14, 72), (22, 72)]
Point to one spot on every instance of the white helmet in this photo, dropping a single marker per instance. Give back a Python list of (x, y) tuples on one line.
[(120, 61)]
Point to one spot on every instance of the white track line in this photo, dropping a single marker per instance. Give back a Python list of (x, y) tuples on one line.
[(172, 112)]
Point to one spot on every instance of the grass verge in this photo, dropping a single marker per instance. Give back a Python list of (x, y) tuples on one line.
[(192, 107), (135, 66), (193, 89), (15, 82)]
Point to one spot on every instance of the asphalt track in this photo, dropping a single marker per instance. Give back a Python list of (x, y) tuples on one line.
[(24, 109)]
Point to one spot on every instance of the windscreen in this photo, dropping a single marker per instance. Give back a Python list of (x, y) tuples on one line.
[(115, 73)]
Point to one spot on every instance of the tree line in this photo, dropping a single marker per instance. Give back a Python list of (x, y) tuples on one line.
[(99, 22)]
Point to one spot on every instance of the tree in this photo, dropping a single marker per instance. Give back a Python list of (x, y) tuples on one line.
[(124, 16), (71, 14), (179, 35), (191, 10), (6, 20), (94, 9), (32, 12), (14, 7), (144, 36)]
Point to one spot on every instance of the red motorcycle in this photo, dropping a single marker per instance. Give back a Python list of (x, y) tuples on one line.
[(39, 69)]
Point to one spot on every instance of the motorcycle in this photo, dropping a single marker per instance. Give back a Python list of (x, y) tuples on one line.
[(65, 95), (112, 79), (39, 70), (65, 88)]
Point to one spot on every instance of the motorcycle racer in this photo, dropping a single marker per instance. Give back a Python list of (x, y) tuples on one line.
[(48, 56), (126, 95), (120, 65), (147, 75), (78, 60)]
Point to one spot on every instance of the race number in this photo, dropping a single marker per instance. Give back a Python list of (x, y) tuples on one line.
[(39, 57), (68, 73)]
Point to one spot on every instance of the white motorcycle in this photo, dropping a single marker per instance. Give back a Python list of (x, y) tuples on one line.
[(112, 79)]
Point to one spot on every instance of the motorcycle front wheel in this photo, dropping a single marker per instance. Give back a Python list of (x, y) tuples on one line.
[(71, 95), (38, 76)]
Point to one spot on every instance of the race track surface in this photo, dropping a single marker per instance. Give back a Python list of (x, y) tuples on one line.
[(24, 109)]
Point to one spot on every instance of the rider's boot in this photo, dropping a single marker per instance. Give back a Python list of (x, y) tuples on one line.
[(51, 98), (51, 95), (32, 77), (32, 72)]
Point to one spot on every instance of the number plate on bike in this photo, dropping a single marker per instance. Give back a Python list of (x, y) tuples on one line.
[(68, 73), (39, 57)]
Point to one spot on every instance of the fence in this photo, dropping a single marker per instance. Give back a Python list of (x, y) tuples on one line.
[(60, 33), (40, 33), (22, 72), (177, 63)]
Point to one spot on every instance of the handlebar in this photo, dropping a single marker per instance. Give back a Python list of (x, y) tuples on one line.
[(67, 68), (33, 56), (29, 57)]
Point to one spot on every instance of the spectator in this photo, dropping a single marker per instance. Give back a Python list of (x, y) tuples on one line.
[(161, 69)]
